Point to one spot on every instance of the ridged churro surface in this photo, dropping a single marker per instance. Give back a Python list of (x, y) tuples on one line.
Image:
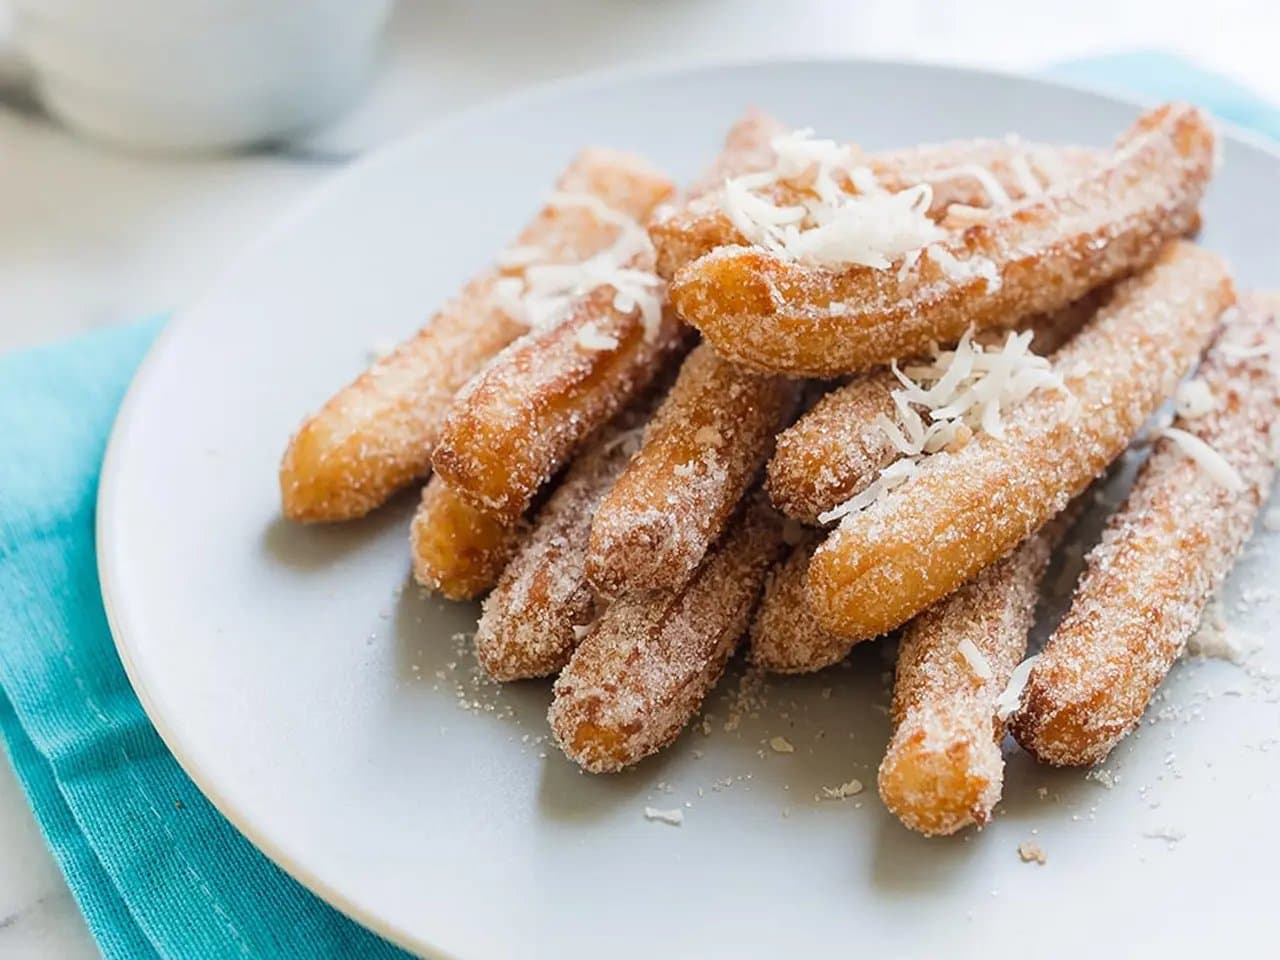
[(784, 316), (1161, 557), (543, 603), (966, 509), (376, 435), (700, 452), (641, 674), (785, 635)]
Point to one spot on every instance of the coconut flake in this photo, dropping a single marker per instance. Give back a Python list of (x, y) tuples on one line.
[(674, 817), (1208, 459), (975, 658), (1193, 399), (590, 337), (1009, 699)]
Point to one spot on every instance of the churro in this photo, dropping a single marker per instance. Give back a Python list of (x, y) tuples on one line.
[(879, 280), (517, 422), (963, 510), (834, 452), (785, 636), (458, 550), (976, 176), (701, 451), (376, 435), (943, 769), (543, 603), (640, 675), (1163, 554)]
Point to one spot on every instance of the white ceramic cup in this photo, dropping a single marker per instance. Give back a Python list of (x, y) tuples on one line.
[(196, 74)]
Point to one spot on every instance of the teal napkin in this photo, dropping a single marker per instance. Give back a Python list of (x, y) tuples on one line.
[(155, 869)]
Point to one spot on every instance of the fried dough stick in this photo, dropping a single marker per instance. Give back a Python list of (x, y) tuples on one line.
[(965, 510), (639, 677), (783, 316), (943, 769), (1162, 555), (785, 635), (376, 435), (701, 452)]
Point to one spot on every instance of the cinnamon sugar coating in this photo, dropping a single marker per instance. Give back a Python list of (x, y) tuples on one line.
[(964, 510), (1162, 556), (943, 769), (701, 451), (543, 603), (641, 674)]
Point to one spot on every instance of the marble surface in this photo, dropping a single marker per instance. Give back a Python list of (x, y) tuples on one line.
[(91, 237)]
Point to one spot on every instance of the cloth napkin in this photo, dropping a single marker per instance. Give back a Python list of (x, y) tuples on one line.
[(155, 869)]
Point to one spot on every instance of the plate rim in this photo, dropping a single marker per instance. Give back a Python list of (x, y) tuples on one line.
[(316, 197)]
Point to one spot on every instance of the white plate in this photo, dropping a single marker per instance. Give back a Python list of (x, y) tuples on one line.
[(315, 699)]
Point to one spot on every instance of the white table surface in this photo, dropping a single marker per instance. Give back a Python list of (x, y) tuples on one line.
[(91, 237)]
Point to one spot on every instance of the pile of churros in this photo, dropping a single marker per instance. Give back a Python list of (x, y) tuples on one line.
[(821, 397)]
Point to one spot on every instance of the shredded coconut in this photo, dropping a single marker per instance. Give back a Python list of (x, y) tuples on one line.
[(1010, 698), (591, 338), (847, 789), (543, 296), (961, 391), (1029, 852), (974, 657), (1194, 399), (830, 226), (673, 817), (1208, 459)]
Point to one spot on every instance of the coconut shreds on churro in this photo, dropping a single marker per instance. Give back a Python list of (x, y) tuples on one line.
[(976, 175), (701, 451), (878, 280), (785, 635), (964, 510), (376, 435), (1163, 554), (458, 550), (835, 451), (637, 679), (543, 605), (943, 769)]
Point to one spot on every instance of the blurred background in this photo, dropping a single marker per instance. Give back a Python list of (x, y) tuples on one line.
[(99, 227)]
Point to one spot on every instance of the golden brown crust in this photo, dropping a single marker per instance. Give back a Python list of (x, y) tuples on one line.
[(375, 435), (521, 419), (701, 451), (967, 509), (943, 769), (641, 674), (1161, 557), (777, 315), (458, 551)]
